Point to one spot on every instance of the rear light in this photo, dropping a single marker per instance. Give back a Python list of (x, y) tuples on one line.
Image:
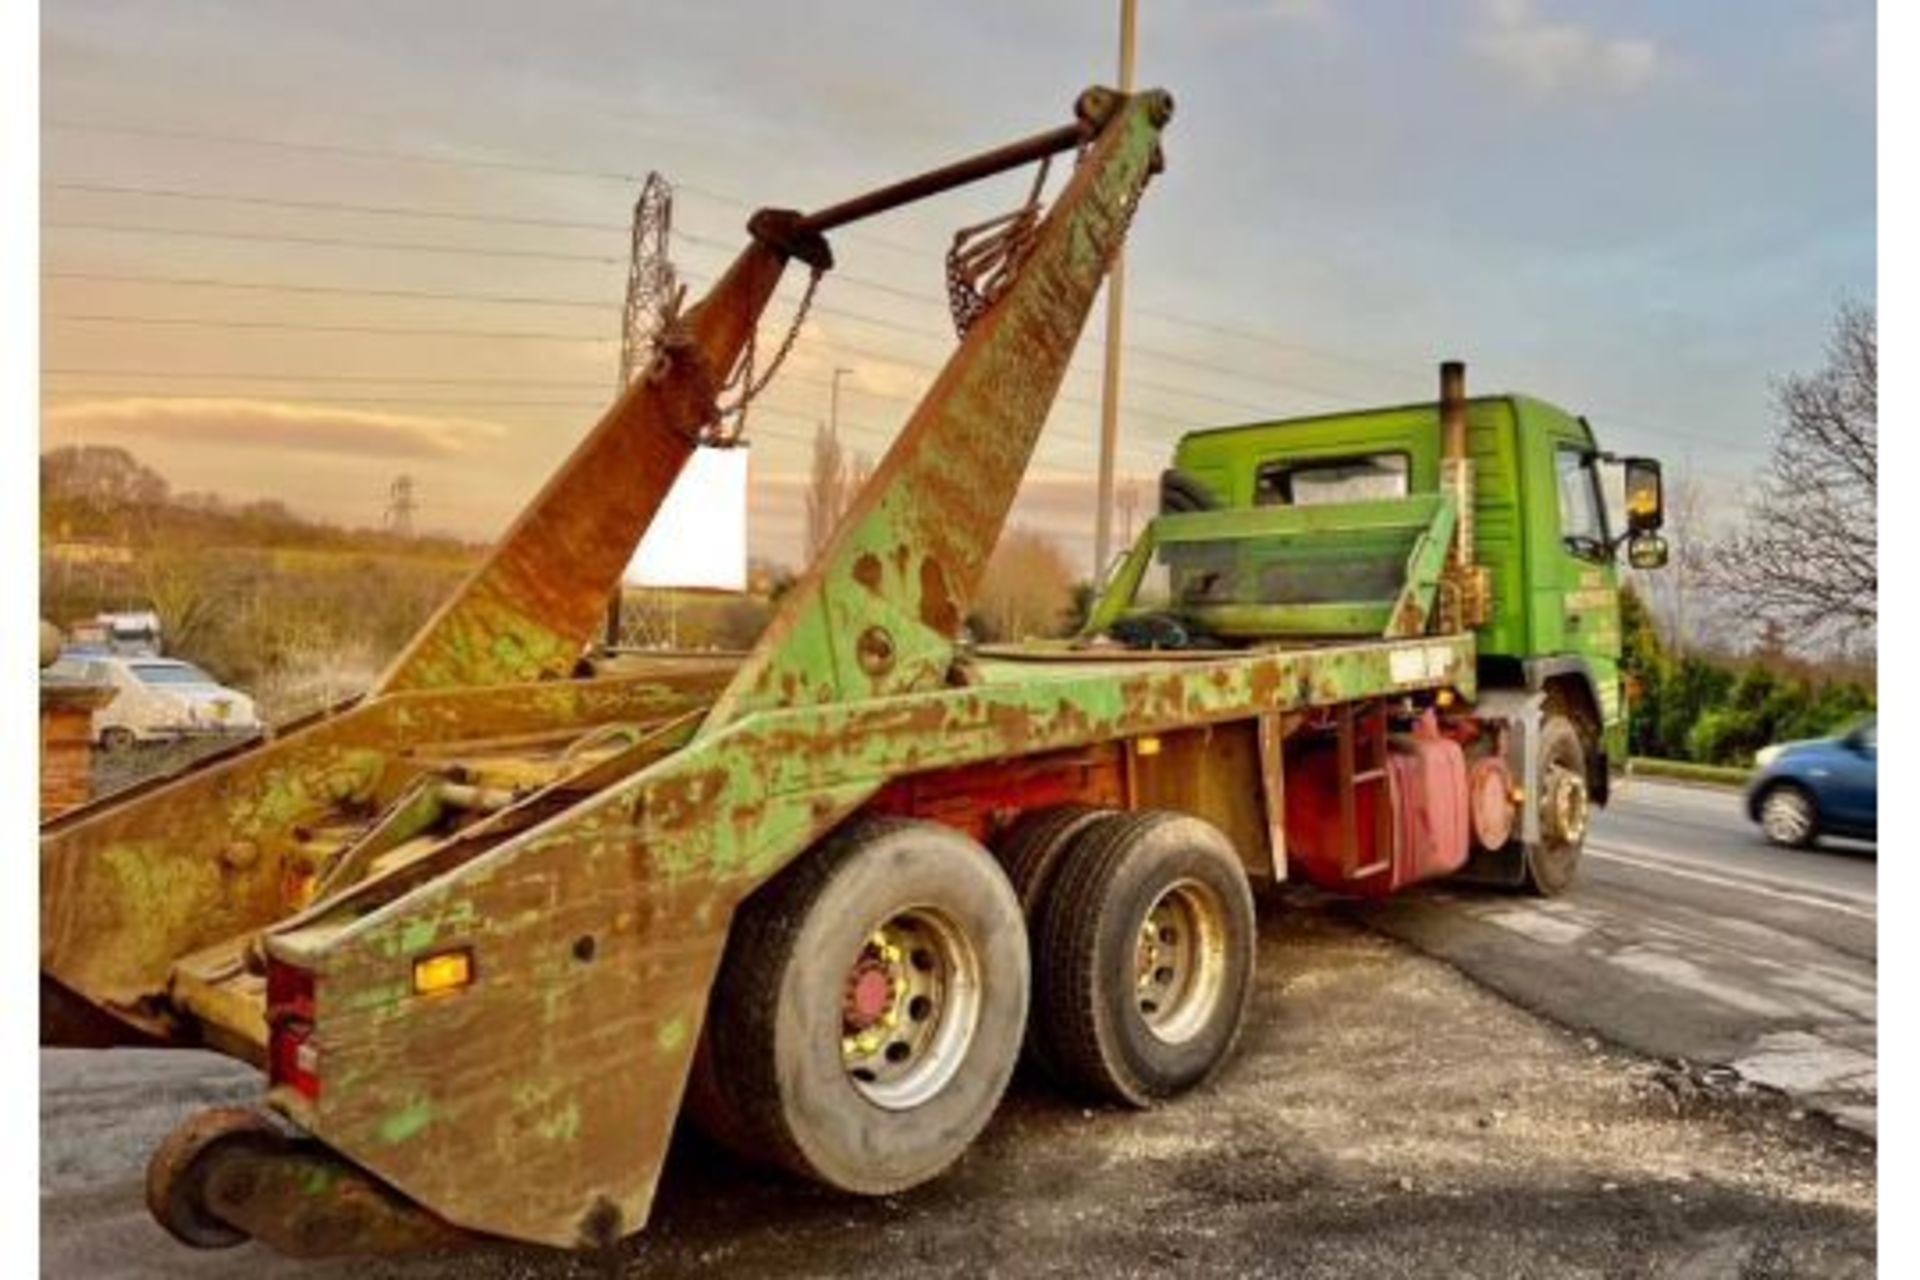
[(442, 972), (289, 992), (293, 1059)]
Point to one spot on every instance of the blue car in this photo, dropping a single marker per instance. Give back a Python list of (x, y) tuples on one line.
[(1822, 787)]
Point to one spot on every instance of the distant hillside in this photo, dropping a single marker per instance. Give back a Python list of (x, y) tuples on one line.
[(297, 611), (103, 496)]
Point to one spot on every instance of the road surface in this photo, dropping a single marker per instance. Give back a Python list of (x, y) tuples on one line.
[(1688, 937), (1384, 1115)]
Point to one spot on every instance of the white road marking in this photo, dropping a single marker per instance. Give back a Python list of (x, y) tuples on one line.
[(1678, 971), (1855, 905)]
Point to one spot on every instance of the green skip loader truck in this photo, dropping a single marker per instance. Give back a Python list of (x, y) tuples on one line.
[(491, 929)]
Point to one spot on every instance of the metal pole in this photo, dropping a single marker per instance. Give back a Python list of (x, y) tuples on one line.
[(1110, 378)]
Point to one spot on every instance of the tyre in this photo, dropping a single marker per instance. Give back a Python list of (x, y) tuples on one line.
[(1788, 816), (1030, 851), (1145, 958), (1180, 492), (1565, 806), (869, 1010)]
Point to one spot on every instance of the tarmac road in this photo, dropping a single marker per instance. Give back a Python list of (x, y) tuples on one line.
[(1688, 937), (1384, 1115)]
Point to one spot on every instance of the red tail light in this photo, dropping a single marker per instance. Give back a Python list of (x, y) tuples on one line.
[(293, 1059)]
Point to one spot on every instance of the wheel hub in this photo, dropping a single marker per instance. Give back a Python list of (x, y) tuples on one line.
[(869, 994), (1566, 808), (908, 1011)]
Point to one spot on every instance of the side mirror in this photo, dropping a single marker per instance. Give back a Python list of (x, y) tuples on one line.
[(1646, 503), (1647, 551)]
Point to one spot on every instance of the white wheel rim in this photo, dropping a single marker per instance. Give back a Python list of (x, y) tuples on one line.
[(1180, 961), (1786, 816)]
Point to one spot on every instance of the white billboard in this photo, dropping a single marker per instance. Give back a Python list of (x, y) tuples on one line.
[(699, 537)]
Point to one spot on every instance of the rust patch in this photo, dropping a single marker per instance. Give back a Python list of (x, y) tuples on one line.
[(938, 609), (866, 571)]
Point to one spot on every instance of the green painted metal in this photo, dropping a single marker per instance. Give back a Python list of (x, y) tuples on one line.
[(1538, 584), (1252, 541), (652, 869), (1414, 512), (1413, 609), (879, 611)]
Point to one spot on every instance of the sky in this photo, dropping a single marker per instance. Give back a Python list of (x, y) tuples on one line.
[(1645, 212)]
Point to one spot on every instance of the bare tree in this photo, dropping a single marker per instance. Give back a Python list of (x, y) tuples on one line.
[(1808, 555), (826, 489), (1679, 595), (833, 479), (1027, 589)]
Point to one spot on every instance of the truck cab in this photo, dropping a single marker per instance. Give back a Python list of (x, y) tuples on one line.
[(1538, 522)]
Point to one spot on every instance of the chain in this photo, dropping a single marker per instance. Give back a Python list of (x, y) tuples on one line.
[(986, 258), (747, 386)]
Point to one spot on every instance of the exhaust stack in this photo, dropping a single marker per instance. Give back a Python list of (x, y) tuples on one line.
[(1453, 411), (1466, 597)]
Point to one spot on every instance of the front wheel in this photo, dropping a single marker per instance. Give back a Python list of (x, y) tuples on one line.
[(1787, 816), (869, 1010), (1565, 806)]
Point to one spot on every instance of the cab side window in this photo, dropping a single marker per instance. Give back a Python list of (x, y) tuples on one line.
[(1583, 524), (1311, 484)]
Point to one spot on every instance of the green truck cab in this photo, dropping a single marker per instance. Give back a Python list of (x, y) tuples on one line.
[(1360, 490)]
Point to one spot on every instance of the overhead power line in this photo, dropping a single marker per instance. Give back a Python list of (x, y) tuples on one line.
[(352, 242), (328, 148), (306, 326), (514, 165), (855, 280), (337, 206), (1400, 373), (603, 175)]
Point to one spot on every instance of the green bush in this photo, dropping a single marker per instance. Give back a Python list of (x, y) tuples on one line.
[(1720, 711)]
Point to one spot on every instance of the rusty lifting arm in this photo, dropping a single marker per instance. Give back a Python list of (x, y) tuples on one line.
[(528, 612)]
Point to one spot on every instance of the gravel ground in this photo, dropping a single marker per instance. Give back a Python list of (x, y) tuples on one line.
[(1383, 1116)]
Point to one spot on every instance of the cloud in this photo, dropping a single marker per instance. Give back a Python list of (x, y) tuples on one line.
[(270, 424), (1547, 57)]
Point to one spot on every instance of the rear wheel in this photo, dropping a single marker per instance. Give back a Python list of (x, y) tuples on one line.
[(869, 1010), (1145, 957), (1031, 849), (1788, 817)]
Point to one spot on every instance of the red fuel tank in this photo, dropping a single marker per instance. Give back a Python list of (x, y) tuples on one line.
[(1427, 782)]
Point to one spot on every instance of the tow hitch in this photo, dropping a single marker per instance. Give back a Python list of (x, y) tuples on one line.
[(229, 1175)]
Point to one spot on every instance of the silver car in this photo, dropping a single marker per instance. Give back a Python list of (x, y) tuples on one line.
[(157, 699)]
